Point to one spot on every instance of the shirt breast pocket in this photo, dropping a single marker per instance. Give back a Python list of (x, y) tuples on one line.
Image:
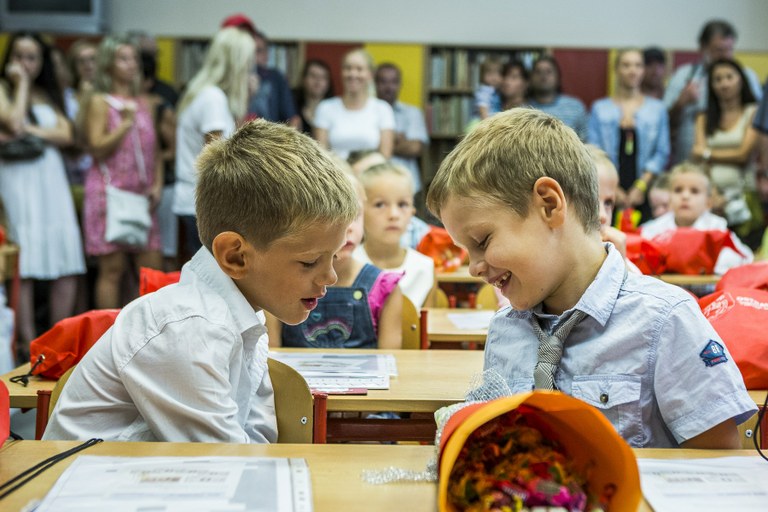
[(618, 398)]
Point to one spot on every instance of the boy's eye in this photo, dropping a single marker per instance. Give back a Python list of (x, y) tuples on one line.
[(483, 243), (308, 264), (404, 204)]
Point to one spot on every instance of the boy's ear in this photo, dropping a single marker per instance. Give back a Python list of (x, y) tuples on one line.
[(549, 201), (232, 252)]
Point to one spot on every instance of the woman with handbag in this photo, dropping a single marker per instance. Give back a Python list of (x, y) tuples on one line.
[(124, 184), (33, 182)]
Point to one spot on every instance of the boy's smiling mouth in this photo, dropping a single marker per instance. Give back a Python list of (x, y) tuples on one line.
[(501, 280)]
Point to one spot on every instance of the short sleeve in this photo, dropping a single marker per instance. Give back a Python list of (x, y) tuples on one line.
[(761, 117), (417, 128), (216, 116), (381, 289), (675, 86), (697, 384)]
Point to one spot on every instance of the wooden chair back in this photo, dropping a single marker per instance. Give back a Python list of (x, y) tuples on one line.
[(486, 297), (411, 326)]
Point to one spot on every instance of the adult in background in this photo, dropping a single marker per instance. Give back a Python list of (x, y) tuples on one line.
[(355, 121), (655, 76), (273, 100), (122, 139), (34, 190), (410, 130), (686, 93), (316, 85), (725, 142), (633, 130), (546, 94), (215, 100)]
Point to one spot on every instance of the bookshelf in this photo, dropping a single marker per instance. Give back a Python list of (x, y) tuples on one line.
[(287, 56), (452, 75)]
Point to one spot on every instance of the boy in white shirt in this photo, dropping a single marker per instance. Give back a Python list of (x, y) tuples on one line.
[(188, 363)]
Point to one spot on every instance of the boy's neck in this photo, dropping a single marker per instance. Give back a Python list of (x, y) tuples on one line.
[(583, 259), (385, 255)]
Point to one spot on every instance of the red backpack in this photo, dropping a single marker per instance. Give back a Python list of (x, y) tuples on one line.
[(151, 280), (694, 251), (752, 275), (65, 344), (740, 317)]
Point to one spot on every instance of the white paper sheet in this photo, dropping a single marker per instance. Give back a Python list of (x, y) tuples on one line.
[(171, 484), (474, 321), (700, 485), (326, 371)]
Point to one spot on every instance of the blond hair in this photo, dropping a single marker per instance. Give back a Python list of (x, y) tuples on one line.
[(373, 172), (502, 158), (600, 157), (227, 63), (105, 60), (268, 181), (688, 167), (366, 56)]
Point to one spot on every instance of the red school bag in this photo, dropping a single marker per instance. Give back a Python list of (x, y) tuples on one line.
[(65, 344), (646, 254), (694, 251), (740, 316), (438, 245), (151, 280), (751, 275)]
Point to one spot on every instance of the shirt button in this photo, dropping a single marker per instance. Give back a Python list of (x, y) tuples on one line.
[(604, 398)]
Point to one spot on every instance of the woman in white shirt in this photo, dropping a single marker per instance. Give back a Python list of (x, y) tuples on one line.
[(355, 120), (216, 97)]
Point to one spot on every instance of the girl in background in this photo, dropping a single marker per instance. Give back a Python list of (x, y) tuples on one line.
[(388, 211), (315, 86), (355, 120), (122, 140), (39, 208), (215, 99), (362, 310), (633, 130)]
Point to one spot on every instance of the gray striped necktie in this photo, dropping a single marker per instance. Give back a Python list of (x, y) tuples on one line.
[(551, 349)]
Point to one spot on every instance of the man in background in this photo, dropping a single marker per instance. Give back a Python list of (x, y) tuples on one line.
[(273, 101), (686, 93), (410, 130), (546, 95), (655, 74)]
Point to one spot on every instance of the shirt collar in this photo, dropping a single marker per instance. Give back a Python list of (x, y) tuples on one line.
[(600, 296), (203, 266)]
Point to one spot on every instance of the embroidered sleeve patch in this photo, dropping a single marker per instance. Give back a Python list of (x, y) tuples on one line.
[(713, 354)]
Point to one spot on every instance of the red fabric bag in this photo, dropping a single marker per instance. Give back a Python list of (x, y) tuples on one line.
[(649, 257), (693, 251), (151, 280), (438, 245), (740, 317), (65, 344), (752, 275)]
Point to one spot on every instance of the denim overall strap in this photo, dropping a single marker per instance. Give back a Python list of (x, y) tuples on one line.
[(342, 319)]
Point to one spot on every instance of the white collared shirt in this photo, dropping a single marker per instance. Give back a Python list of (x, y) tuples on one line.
[(187, 363)]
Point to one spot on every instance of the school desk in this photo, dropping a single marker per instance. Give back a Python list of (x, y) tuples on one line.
[(441, 329), (427, 380), (689, 280), (460, 275), (335, 469), (9, 271)]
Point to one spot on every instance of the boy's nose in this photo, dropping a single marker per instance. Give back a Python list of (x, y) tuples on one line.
[(477, 268), (329, 277)]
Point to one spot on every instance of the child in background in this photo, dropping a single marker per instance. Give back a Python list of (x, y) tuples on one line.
[(689, 205), (359, 161), (388, 211), (487, 99), (658, 195), (520, 193), (362, 310), (188, 363)]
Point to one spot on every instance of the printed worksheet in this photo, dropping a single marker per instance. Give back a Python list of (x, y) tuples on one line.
[(171, 484), (700, 485)]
